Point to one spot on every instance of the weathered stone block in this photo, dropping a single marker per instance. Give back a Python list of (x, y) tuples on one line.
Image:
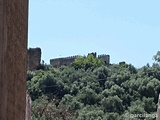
[(34, 58), (13, 58)]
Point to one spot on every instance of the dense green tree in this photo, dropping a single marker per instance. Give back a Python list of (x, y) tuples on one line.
[(88, 96), (88, 90), (112, 104), (88, 62), (89, 113), (157, 56)]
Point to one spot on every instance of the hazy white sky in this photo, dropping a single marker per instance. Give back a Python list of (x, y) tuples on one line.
[(127, 30)]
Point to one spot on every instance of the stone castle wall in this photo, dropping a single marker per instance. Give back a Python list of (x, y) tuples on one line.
[(105, 58), (57, 62), (34, 58), (93, 53)]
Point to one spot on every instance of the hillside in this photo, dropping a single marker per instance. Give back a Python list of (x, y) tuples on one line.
[(89, 90)]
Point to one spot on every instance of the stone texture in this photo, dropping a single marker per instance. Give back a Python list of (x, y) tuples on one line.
[(13, 58), (158, 109), (34, 58), (28, 107)]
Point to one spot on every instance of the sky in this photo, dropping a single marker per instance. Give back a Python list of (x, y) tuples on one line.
[(127, 30)]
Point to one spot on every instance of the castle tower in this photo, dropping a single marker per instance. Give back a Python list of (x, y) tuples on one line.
[(93, 53), (34, 58), (105, 58)]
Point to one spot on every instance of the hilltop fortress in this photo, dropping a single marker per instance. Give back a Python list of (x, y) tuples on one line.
[(57, 62), (34, 59)]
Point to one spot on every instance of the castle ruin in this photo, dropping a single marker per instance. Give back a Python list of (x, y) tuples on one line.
[(105, 58), (57, 62), (34, 58)]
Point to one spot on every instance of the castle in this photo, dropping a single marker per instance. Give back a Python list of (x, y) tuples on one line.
[(34, 59), (57, 62)]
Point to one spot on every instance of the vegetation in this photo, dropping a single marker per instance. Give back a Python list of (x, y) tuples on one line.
[(88, 90)]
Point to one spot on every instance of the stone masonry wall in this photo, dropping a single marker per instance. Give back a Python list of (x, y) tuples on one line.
[(28, 107), (13, 58), (105, 58), (62, 61), (57, 62), (34, 58)]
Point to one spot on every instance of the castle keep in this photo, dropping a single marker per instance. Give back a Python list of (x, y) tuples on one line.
[(34, 58), (57, 62)]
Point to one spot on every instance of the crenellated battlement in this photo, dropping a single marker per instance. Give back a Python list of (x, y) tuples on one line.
[(75, 56), (69, 57), (105, 58), (102, 55), (57, 62)]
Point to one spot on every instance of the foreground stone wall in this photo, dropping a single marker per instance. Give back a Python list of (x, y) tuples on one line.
[(13, 58), (158, 109), (34, 58), (28, 107)]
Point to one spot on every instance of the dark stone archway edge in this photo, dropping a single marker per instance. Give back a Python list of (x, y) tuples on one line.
[(13, 58)]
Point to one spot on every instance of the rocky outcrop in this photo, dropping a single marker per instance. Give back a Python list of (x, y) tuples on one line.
[(13, 58), (158, 108), (28, 107), (34, 58)]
